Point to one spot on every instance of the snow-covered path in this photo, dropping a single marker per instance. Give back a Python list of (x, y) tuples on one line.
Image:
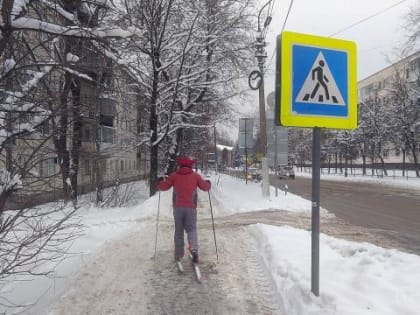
[(124, 279)]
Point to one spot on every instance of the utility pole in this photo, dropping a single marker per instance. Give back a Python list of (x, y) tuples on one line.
[(261, 55)]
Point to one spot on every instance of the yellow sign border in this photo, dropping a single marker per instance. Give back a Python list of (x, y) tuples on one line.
[(287, 117)]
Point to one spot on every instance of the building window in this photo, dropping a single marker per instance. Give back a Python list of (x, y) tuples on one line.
[(87, 134), (107, 134), (47, 167), (122, 165), (106, 121), (88, 167)]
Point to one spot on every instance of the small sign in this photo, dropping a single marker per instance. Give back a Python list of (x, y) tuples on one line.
[(317, 82), (255, 79)]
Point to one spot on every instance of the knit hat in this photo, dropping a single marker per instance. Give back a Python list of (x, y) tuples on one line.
[(185, 161)]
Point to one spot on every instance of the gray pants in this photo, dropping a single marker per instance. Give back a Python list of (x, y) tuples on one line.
[(185, 219)]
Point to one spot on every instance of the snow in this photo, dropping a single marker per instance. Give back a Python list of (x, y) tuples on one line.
[(72, 58), (355, 278), (8, 65), (7, 182), (79, 74), (223, 147), (394, 178), (35, 24), (36, 77)]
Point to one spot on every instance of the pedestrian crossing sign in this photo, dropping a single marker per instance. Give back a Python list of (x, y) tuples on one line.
[(316, 84)]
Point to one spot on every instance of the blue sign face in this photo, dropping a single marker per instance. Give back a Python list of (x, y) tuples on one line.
[(319, 81)]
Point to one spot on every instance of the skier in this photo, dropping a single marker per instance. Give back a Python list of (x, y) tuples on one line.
[(185, 182)]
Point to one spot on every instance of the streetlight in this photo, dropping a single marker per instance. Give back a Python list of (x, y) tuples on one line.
[(261, 55), (267, 20)]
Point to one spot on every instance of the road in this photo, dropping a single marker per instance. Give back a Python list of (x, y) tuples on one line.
[(391, 211)]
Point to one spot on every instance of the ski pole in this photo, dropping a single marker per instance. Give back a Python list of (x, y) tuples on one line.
[(157, 225), (214, 230)]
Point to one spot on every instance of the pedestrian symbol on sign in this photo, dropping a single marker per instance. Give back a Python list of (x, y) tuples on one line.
[(320, 86)]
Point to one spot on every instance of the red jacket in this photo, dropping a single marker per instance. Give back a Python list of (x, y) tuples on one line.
[(185, 182)]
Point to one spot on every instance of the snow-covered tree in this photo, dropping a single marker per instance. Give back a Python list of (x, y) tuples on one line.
[(375, 118), (300, 145), (405, 109), (45, 48), (40, 108), (187, 62)]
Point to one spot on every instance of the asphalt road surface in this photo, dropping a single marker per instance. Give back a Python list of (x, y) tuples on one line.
[(391, 211)]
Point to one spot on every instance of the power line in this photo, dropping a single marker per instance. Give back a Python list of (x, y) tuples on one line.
[(282, 29), (368, 18), (347, 27), (287, 15)]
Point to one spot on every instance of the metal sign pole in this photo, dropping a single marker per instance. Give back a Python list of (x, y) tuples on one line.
[(275, 159), (316, 152)]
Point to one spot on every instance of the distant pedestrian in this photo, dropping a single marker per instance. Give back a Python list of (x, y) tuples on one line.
[(184, 199)]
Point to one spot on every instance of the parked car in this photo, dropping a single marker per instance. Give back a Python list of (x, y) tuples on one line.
[(254, 174), (286, 171)]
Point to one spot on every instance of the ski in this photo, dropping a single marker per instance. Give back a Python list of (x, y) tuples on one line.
[(180, 266), (196, 270)]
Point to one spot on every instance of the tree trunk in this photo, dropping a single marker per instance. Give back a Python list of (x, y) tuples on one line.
[(404, 164), (415, 160), (154, 147), (364, 163), (383, 165), (76, 139), (174, 152), (60, 137)]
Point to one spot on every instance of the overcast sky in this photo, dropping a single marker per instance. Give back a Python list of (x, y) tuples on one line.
[(376, 38)]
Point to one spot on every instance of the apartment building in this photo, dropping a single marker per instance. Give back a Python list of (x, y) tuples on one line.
[(379, 85), (105, 115)]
